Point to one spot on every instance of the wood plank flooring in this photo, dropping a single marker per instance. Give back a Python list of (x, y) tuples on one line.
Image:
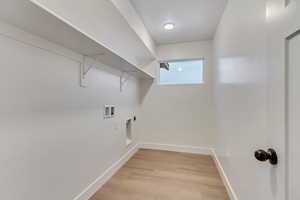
[(165, 175)]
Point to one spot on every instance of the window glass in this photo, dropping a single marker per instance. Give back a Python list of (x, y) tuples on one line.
[(181, 72)]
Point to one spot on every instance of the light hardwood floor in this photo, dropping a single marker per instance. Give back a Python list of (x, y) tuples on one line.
[(165, 175)]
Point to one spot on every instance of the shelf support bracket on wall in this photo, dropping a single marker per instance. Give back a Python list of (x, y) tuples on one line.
[(125, 76), (84, 69)]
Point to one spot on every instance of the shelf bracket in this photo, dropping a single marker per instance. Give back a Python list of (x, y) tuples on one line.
[(125, 76), (84, 69)]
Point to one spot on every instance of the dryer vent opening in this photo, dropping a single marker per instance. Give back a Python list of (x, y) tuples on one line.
[(128, 132)]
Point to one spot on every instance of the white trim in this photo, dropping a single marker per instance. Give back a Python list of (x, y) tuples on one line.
[(230, 191), (182, 60), (102, 179), (177, 148)]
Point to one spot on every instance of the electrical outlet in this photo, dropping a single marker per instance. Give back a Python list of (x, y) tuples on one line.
[(112, 111), (107, 112)]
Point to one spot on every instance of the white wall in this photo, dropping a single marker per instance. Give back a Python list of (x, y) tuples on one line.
[(53, 135), (249, 91), (54, 141), (130, 14), (179, 114)]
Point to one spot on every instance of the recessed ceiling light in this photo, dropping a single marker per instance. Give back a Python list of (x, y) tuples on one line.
[(180, 69), (169, 26)]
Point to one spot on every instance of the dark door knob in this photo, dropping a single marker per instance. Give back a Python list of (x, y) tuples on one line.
[(270, 155)]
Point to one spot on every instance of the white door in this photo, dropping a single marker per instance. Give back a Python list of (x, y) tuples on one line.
[(293, 115)]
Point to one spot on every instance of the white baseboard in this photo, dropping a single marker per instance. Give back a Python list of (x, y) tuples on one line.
[(197, 150), (177, 148), (101, 180), (230, 191)]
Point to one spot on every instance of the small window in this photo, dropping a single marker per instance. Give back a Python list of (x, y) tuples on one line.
[(181, 72)]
